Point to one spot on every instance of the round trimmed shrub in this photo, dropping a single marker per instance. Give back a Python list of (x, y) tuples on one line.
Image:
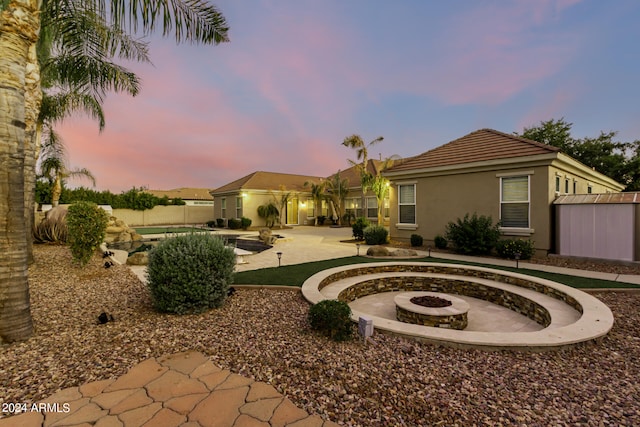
[(416, 240), (86, 225), (190, 273), (508, 248), (332, 318), (375, 235), (440, 242)]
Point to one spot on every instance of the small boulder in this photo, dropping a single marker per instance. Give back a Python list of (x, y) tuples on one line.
[(378, 251), (138, 258), (404, 253)]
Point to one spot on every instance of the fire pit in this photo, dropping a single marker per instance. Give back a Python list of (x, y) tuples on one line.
[(452, 316)]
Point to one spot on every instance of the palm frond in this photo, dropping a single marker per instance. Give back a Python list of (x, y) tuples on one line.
[(57, 107)]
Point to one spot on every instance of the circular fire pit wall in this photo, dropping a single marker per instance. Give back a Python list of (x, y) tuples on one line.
[(451, 317)]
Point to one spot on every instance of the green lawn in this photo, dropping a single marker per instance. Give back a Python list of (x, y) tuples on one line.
[(295, 275), (162, 230)]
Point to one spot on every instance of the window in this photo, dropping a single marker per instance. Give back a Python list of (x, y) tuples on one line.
[(575, 187), (589, 189), (223, 207), (386, 208), (239, 207), (514, 202), (566, 185), (354, 206), (407, 204), (557, 184), (311, 209), (372, 207)]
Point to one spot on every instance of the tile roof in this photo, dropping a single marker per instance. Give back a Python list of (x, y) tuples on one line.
[(184, 193), (268, 181), (481, 145)]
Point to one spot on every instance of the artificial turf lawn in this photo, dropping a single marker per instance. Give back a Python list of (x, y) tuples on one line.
[(295, 275)]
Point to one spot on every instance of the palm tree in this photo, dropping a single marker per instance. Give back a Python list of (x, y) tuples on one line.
[(317, 194), (362, 159), (53, 167), (20, 100), (338, 189)]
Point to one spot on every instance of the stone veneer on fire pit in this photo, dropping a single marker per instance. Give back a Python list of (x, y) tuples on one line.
[(453, 316), (530, 296)]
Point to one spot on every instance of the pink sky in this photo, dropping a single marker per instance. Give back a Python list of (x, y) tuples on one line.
[(299, 76)]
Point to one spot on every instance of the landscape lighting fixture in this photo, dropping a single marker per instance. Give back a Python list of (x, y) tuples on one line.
[(279, 257), (517, 257), (429, 249), (358, 249)]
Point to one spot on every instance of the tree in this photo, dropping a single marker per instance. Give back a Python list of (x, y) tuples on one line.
[(317, 194), (362, 159), (53, 166), (338, 189), (617, 160), (380, 187), (20, 99)]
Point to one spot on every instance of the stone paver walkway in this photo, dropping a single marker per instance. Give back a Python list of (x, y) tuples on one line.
[(184, 389)]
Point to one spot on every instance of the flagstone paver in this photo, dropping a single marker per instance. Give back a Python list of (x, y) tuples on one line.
[(178, 390)]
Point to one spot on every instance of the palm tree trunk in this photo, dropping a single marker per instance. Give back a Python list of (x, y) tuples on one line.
[(33, 100), (19, 27)]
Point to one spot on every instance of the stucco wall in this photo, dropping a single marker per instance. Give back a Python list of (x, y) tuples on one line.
[(166, 215), (442, 199)]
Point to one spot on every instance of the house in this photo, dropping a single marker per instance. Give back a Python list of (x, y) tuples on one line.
[(512, 179), (191, 196), (242, 197)]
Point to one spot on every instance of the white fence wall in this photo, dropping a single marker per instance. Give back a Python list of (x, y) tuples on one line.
[(605, 231), (166, 215)]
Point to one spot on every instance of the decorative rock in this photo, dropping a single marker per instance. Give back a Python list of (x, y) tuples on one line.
[(266, 236), (378, 251), (118, 231), (404, 253), (138, 258)]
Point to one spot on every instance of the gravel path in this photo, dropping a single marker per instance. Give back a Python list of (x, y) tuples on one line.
[(263, 334)]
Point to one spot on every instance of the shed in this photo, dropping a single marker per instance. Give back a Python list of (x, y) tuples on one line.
[(604, 226)]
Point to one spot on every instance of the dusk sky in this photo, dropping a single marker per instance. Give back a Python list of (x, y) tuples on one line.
[(300, 75)]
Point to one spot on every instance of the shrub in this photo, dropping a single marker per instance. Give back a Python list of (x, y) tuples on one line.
[(332, 318), (475, 235), (509, 247), (190, 273), (86, 224), (358, 227), (234, 224), (245, 222), (348, 217), (375, 235), (321, 219), (440, 242), (416, 240), (220, 222), (210, 224)]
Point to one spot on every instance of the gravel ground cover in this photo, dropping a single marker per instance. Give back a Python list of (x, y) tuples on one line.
[(263, 334)]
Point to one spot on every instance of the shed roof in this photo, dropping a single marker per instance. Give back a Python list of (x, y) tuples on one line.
[(481, 145), (606, 198), (261, 180)]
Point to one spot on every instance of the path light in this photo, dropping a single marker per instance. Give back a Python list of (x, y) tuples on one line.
[(358, 249), (279, 257), (429, 248), (517, 256)]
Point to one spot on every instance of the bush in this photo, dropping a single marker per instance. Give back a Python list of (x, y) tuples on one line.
[(375, 235), (190, 273), (245, 222), (86, 224), (358, 227), (440, 242), (210, 224), (332, 318), (220, 222), (347, 218), (234, 224), (509, 247), (416, 240), (476, 235), (321, 219)]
